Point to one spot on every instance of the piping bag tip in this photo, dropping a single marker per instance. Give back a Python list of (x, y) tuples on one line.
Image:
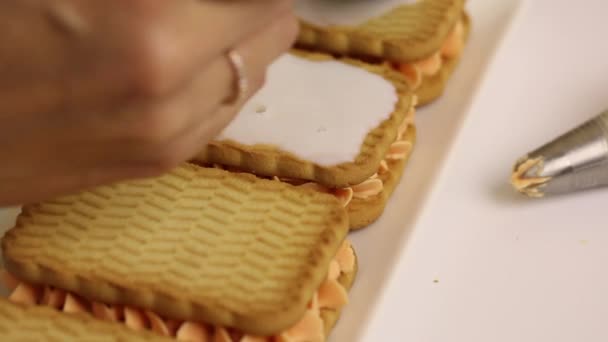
[(574, 161), (527, 178)]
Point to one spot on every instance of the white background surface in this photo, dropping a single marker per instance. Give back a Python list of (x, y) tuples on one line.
[(458, 256)]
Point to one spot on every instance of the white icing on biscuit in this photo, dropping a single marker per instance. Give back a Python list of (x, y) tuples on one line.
[(344, 12), (320, 111)]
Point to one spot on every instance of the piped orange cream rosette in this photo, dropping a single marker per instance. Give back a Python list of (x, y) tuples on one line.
[(330, 295), (372, 186), (452, 47)]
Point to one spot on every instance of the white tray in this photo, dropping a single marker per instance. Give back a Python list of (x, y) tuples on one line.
[(508, 269), (380, 247)]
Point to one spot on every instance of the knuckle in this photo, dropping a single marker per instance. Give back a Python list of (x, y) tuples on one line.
[(292, 29), (285, 31), (284, 5), (152, 63)]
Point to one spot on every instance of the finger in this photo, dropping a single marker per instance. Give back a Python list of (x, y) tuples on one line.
[(186, 113), (238, 20), (134, 47), (179, 114), (165, 158), (194, 141), (191, 33), (216, 82), (257, 54), (79, 175)]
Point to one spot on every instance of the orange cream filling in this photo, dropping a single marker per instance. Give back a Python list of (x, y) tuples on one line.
[(452, 47), (372, 186), (331, 295)]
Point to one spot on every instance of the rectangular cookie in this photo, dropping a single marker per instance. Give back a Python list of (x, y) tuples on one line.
[(36, 323), (335, 130), (422, 39), (196, 253)]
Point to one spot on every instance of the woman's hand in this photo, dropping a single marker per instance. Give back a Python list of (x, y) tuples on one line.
[(99, 91)]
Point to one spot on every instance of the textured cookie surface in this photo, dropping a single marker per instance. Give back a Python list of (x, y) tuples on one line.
[(270, 161), (39, 324), (198, 244), (405, 34), (363, 212)]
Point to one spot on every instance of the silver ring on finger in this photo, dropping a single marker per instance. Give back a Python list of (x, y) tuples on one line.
[(241, 83)]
